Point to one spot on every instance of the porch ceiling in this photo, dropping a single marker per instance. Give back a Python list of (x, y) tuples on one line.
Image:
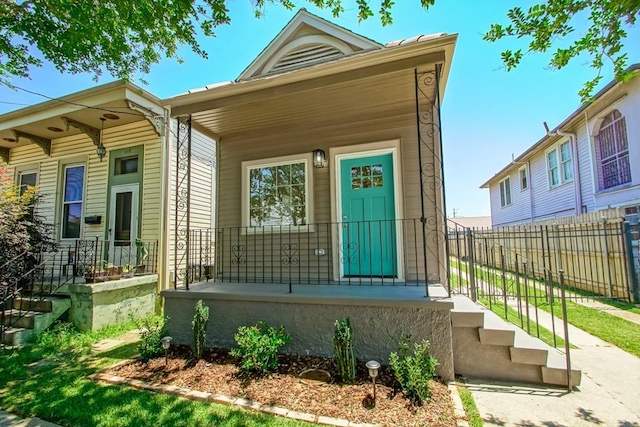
[(89, 116), (365, 98)]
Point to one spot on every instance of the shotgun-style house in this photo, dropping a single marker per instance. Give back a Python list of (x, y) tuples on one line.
[(588, 163), (98, 158), (330, 189)]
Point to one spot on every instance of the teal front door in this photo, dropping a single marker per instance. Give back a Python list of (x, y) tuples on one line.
[(368, 246)]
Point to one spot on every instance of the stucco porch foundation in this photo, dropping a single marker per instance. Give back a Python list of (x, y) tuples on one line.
[(309, 312)]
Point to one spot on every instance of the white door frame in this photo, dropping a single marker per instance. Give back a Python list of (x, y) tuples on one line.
[(135, 202), (336, 155)]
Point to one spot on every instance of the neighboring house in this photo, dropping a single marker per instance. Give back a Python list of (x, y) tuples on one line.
[(590, 162), (462, 222), (319, 131), (99, 158)]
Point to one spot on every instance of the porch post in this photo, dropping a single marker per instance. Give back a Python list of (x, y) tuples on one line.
[(431, 166), (182, 202)]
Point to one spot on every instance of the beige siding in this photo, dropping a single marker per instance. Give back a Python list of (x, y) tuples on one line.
[(262, 257), (80, 149)]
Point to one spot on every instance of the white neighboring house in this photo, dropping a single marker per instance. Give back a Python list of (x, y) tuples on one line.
[(589, 162)]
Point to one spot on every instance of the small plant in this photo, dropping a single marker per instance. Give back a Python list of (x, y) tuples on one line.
[(151, 332), (343, 350), (413, 371), (258, 346), (199, 323)]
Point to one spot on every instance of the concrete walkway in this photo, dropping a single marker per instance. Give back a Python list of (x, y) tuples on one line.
[(606, 397), (9, 420)]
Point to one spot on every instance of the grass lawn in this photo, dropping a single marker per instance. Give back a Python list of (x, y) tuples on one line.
[(57, 390), (473, 416)]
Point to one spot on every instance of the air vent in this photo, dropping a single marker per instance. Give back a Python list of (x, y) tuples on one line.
[(305, 56)]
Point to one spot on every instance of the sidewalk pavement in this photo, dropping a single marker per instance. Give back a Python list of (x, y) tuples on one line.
[(9, 420), (607, 395)]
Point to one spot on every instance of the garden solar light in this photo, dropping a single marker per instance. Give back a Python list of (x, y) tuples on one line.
[(166, 343), (373, 367)]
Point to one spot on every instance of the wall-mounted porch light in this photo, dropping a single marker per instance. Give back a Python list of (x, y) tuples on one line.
[(101, 151), (319, 158)]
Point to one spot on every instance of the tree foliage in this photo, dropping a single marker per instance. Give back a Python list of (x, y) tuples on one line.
[(125, 37)]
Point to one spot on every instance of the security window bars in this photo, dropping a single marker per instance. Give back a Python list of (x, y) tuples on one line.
[(613, 152), (505, 192), (277, 194), (73, 193)]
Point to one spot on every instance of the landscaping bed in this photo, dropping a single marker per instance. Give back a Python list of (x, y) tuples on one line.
[(218, 373)]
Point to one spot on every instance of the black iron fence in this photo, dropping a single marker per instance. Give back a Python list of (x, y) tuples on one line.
[(384, 252)]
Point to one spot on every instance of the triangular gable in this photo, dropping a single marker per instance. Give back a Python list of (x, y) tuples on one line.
[(306, 40)]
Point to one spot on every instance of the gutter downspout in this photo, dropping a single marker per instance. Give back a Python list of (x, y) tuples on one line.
[(573, 139)]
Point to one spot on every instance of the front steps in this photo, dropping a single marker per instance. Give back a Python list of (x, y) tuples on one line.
[(486, 346), (27, 317)]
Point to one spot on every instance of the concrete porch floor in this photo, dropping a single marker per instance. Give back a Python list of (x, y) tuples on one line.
[(387, 296)]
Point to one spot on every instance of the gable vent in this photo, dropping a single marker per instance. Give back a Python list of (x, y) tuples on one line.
[(305, 56)]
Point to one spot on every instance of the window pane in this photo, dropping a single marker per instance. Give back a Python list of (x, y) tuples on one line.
[(126, 165), (565, 151), (27, 179), (73, 184), (71, 218), (552, 159), (567, 170), (297, 173), (122, 232)]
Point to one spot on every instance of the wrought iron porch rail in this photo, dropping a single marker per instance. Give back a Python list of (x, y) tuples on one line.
[(382, 252)]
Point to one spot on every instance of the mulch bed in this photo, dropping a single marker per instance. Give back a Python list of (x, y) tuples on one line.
[(217, 373)]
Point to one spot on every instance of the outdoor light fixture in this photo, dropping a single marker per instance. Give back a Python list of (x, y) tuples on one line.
[(319, 158), (101, 151), (166, 343), (373, 367)]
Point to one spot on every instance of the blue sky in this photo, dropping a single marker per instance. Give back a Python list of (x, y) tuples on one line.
[(488, 113)]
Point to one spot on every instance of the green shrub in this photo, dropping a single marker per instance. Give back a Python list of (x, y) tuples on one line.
[(258, 346), (413, 371), (152, 330), (343, 350), (199, 323)]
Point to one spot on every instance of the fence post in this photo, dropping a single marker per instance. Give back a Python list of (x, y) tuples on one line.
[(471, 276), (605, 248), (632, 278), (565, 323), (556, 244)]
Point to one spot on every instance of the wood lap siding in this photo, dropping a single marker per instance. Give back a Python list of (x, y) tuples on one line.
[(288, 141), (81, 148)]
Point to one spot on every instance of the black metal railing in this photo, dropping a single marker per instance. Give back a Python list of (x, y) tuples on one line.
[(384, 252)]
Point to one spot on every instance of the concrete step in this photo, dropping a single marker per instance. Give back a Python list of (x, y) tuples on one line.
[(35, 321), (528, 350), (555, 370), (17, 336), (45, 305), (496, 331), (466, 314)]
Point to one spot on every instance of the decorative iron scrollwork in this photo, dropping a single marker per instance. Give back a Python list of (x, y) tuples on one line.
[(183, 275), (349, 253), (238, 252), (289, 254)]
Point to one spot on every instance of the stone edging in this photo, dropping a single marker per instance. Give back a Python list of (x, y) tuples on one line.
[(221, 399), (458, 408)]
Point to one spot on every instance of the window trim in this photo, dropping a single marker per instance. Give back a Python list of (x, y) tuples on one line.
[(26, 169), (500, 188), (526, 177), (307, 159), (63, 168), (557, 147)]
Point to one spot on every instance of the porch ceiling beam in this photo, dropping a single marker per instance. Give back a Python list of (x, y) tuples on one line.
[(90, 131), (41, 142), (5, 154), (307, 85)]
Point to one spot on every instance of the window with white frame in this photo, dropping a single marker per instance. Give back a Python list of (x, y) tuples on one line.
[(27, 179), (505, 192), (72, 201), (524, 182), (560, 164), (277, 192), (612, 151)]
